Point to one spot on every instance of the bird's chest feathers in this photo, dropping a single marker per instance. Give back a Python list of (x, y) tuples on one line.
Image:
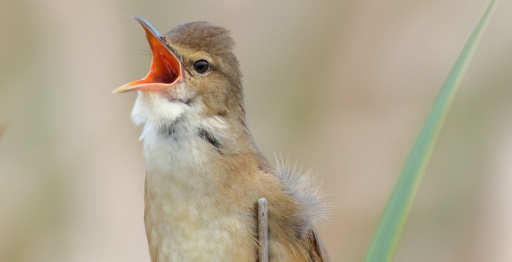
[(180, 159), (185, 212), (184, 222)]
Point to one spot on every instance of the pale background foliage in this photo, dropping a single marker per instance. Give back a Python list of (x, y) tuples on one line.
[(342, 86)]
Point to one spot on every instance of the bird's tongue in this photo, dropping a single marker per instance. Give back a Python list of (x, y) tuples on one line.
[(165, 67)]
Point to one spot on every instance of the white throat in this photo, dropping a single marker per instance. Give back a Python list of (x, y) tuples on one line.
[(175, 134)]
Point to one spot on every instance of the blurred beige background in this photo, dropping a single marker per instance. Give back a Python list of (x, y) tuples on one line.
[(341, 86)]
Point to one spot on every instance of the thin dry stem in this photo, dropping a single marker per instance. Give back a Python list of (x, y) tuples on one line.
[(263, 230)]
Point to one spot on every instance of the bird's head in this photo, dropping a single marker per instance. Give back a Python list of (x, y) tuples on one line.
[(193, 72)]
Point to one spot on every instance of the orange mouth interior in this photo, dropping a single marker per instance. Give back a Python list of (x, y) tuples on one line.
[(165, 67)]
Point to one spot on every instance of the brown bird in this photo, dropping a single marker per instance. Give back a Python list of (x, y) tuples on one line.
[(204, 173)]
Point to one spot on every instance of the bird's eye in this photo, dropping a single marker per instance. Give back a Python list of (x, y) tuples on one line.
[(201, 66)]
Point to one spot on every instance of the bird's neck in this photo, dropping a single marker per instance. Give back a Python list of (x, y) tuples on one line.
[(179, 135), (189, 144)]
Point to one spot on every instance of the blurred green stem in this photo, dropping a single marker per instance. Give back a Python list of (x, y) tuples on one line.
[(385, 240)]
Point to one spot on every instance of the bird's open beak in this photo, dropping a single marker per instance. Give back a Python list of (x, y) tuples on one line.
[(165, 67)]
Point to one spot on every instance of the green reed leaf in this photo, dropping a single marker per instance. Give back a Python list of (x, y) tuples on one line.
[(391, 225)]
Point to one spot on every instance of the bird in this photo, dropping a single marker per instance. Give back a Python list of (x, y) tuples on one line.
[(204, 173)]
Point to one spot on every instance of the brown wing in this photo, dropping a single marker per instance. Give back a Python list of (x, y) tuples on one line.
[(293, 206), (317, 251)]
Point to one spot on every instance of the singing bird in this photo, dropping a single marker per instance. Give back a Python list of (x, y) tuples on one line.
[(204, 174)]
